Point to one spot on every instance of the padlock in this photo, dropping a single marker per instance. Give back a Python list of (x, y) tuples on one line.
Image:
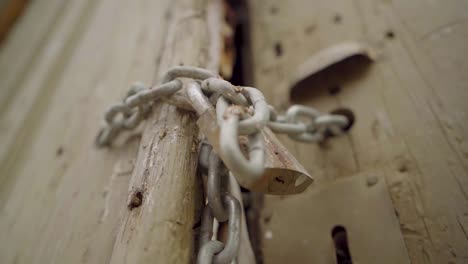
[(281, 174)]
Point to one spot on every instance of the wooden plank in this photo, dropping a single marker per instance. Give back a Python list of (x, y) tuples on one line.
[(20, 55), (410, 105)]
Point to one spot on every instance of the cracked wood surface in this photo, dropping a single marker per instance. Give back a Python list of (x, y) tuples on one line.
[(410, 107), (61, 199)]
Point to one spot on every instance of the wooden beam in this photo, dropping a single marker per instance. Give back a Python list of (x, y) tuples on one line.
[(163, 227)]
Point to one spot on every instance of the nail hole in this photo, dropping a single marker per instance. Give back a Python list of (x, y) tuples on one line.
[(136, 200), (334, 90), (309, 30), (273, 10), (59, 151), (346, 112), (390, 34), (278, 49), (340, 241), (403, 168), (337, 18)]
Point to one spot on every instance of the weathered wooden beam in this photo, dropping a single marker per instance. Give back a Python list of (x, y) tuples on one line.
[(165, 194)]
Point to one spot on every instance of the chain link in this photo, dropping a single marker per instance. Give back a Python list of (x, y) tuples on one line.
[(224, 88), (208, 251), (136, 105), (246, 170), (240, 111), (251, 108), (221, 206), (217, 187)]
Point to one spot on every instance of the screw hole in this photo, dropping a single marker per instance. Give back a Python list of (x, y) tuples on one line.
[(273, 10), (345, 112), (309, 30), (337, 18), (403, 168), (340, 241), (390, 34), (278, 49), (59, 151)]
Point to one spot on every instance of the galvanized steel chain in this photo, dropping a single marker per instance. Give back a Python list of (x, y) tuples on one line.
[(239, 110), (139, 99), (221, 206)]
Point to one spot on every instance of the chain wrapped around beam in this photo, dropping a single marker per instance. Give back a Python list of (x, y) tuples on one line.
[(245, 100), (238, 112)]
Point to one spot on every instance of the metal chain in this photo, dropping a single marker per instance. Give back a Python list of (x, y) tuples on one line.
[(239, 111), (313, 131), (248, 104), (131, 112), (221, 206)]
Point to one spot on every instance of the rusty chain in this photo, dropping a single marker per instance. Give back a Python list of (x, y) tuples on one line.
[(239, 111)]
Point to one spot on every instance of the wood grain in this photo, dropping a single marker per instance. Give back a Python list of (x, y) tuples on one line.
[(410, 106), (163, 228), (61, 199), (361, 204)]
